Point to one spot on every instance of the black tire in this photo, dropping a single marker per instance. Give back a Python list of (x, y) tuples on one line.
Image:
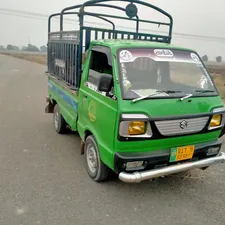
[(58, 121), (96, 169)]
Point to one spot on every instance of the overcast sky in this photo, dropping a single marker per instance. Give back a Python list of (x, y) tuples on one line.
[(200, 17)]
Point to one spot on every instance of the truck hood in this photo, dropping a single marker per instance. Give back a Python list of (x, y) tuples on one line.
[(172, 107)]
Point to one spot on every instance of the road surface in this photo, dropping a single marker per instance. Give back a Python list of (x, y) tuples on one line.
[(43, 178)]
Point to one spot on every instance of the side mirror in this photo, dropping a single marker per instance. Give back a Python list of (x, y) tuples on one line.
[(105, 83)]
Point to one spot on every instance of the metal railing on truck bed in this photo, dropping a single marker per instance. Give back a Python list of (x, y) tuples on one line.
[(65, 48)]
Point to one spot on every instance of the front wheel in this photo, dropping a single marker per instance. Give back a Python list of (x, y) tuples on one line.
[(58, 120), (97, 170)]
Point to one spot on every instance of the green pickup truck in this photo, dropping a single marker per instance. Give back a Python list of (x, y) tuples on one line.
[(143, 107)]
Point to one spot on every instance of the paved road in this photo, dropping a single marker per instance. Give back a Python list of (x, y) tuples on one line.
[(43, 178)]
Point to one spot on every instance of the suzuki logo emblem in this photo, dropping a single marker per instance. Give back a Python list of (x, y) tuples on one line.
[(183, 124)]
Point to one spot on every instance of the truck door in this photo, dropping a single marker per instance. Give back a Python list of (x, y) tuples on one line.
[(97, 111)]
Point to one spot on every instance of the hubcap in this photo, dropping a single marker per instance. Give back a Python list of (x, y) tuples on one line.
[(91, 158), (56, 120)]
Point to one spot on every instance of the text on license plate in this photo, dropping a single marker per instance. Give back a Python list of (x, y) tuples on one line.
[(182, 153)]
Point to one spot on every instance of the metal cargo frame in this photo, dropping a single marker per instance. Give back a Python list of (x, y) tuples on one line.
[(65, 48)]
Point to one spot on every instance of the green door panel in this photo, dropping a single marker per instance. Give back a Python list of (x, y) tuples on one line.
[(98, 114)]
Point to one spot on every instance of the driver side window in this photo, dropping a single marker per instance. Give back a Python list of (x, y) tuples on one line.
[(100, 63)]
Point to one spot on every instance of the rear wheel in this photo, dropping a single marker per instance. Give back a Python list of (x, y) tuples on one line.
[(97, 170), (58, 120)]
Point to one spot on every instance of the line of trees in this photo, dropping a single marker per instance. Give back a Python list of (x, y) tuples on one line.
[(205, 58), (29, 48), (43, 48)]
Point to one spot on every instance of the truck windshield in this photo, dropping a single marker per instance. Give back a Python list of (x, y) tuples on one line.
[(162, 73)]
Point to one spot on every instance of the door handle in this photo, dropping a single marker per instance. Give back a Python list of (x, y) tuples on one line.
[(85, 96)]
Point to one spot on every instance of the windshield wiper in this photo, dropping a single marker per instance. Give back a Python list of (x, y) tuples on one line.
[(186, 96), (204, 91), (169, 91), (198, 91), (155, 94)]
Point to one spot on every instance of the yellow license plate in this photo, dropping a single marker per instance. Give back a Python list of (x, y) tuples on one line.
[(182, 153)]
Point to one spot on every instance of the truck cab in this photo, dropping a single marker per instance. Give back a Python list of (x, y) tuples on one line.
[(143, 107)]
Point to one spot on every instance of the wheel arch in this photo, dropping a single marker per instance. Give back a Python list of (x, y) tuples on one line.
[(87, 133), (51, 105)]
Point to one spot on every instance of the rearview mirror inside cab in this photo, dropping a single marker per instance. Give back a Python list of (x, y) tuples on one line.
[(105, 83)]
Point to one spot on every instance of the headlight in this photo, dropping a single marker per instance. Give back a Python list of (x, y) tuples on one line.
[(136, 128), (216, 120), (135, 125)]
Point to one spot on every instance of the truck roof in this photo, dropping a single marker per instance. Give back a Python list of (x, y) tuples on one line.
[(122, 43)]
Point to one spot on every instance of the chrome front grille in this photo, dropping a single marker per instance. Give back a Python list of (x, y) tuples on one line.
[(181, 126)]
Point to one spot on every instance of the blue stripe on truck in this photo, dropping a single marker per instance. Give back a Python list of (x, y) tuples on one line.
[(63, 95)]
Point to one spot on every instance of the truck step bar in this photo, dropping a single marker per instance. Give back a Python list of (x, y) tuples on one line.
[(137, 177)]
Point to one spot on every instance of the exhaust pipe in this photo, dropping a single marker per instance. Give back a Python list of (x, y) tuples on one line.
[(137, 177)]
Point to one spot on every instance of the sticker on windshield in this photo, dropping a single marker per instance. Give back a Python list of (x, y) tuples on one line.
[(124, 72), (126, 56), (207, 75), (163, 53), (203, 82), (126, 85), (159, 77), (126, 82), (195, 58)]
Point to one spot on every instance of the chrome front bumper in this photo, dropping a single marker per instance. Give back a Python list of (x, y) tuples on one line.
[(137, 177)]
